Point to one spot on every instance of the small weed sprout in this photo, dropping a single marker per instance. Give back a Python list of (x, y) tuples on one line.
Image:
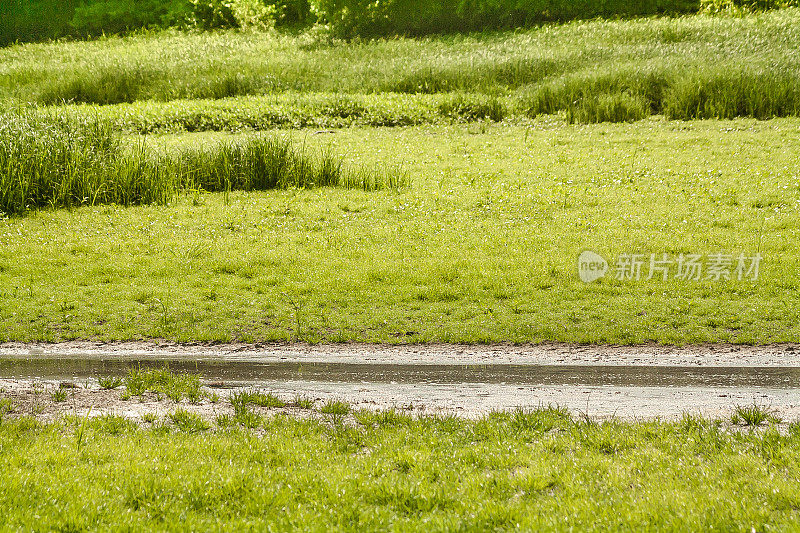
[(297, 305), (336, 409), (303, 402), (109, 382), (59, 395), (81, 429), (149, 418)]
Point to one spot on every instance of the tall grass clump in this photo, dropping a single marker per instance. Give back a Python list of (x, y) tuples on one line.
[(256, 164), (679, 92), (54, 161), (263, 162), (729, 92), (49, 160)]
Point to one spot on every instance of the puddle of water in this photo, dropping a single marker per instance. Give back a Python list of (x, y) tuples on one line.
[(234, 373)]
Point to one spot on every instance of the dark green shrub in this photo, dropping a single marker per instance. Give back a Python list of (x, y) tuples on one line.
[(34, 20), (367, 18), (95, 17), (722, 6)]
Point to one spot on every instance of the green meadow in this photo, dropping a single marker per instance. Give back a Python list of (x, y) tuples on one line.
[(479, 245), (539, 470)]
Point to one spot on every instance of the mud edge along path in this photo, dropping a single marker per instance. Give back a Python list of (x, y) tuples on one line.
[(627, 382)]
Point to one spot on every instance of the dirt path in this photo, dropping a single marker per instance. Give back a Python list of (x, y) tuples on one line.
[(607, 381)]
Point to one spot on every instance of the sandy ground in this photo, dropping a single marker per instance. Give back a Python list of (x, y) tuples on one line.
[(550, 354), (469, 399)]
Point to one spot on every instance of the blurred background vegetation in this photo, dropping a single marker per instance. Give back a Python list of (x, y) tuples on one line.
[(39, 20)]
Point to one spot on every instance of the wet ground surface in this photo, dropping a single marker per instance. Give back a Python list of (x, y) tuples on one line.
[(623, 382), (249, 373)]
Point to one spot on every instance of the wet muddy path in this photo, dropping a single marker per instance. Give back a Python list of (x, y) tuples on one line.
[(623, 382)]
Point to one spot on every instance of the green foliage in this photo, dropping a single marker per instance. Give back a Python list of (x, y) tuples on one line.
[(366, 18), (243, 14), (739, 7), (37, 20), (97, 17), (34, 20)]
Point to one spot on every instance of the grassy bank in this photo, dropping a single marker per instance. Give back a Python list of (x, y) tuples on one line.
[(297, 111), (537, 470), (481, 247), (692, 67)]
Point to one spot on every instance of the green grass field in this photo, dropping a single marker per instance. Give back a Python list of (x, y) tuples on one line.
[(536, 470), (482, 245)]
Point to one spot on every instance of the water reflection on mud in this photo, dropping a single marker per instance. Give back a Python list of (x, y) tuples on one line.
[(237, 372)]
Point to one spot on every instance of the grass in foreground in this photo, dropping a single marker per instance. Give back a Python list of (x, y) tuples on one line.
[(534, 470), (481, 248)]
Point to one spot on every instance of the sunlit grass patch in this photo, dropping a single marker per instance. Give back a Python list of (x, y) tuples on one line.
[(481, 247), (241, 399), (163, 381), (188, 422), (697, 66)]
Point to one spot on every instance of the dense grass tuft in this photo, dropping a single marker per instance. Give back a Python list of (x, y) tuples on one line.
[(753, 415)]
